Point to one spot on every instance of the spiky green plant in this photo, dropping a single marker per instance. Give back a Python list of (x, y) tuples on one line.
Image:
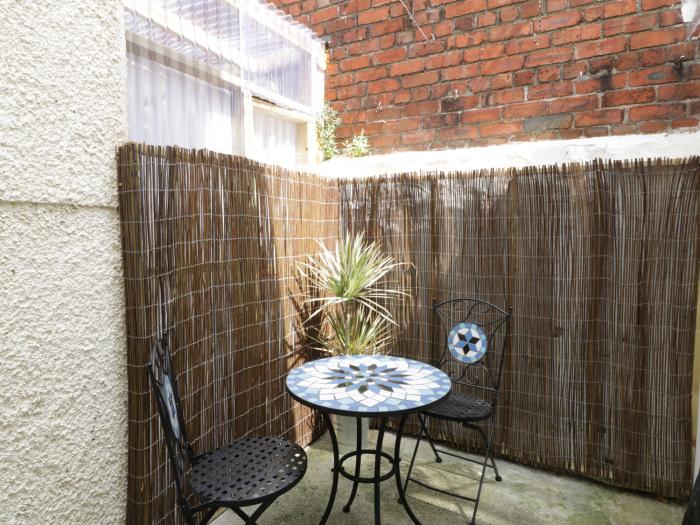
[(346, 286)]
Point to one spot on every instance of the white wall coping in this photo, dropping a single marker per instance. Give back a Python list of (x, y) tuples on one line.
[(518, 155)]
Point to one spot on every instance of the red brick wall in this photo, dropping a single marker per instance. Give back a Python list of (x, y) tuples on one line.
[(504, 70)]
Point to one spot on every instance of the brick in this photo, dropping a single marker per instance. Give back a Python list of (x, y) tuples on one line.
[(388, 26), (549, 74), (374, 15), (540, 124), (628, 97), (683, 91), (500, 65), (486, 19), (656, 75), (551, 90), (597, 118), (508, 32), (556, 5), (353, 6), (524, 78), (390, 55), (418, 136), (548, 56), (549, 23), (444, 60), (368, 75), (468, 39), (506, 96), (461, 132), (527, 44), (406, 124), (574, 104), (653, 127), (458, 103), (531, 8), (655, 4), (630, 24), (420, 79), (351, 64), (441, 120), (480, 115), (528, 109), (619, 8), (464, 71), (380, 86), (689, 122), (500, 128), (406, 67), (464, 8), (656, 112), (421, 108), (660, 37), (670, 18), (601, 131), (600, 47), (604, 82), (577, 34), (324, 14)]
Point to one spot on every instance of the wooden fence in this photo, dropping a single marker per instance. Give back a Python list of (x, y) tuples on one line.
[(599, 261)]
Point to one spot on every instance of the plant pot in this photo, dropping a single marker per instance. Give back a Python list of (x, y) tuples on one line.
[(346, 432)]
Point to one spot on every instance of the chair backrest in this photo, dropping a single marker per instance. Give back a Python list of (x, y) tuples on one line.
[(165, 391), (475, 342)]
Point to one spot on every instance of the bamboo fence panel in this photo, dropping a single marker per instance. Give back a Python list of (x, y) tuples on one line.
[(600, 264), (209, 247), (599, 261)]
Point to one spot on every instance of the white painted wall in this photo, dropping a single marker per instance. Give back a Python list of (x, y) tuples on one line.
[(62, 343), (518, 155)]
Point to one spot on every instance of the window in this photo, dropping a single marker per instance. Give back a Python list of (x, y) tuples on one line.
[(233, 76)]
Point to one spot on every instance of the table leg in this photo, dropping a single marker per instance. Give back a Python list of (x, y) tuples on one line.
[(336, 467), (399, 485), (378, 470), (358, 463)]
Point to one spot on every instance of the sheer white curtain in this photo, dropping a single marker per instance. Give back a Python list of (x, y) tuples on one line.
[(195, 66), (275, 138), (169, 107)]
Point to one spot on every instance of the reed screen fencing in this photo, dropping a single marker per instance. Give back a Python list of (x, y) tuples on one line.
[(210, 243), (599, 262)]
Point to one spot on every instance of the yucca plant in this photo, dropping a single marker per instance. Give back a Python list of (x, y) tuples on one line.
[(346, 287)]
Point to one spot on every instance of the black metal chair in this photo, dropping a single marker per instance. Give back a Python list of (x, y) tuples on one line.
[(247, 472), (473, 357)]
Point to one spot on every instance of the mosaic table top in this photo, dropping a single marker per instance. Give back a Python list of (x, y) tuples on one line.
[(368, 385)]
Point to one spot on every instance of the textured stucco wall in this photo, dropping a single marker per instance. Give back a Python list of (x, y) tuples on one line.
[(62, 347)]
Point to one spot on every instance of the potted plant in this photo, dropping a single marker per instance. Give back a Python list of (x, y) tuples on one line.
[(346, 289)]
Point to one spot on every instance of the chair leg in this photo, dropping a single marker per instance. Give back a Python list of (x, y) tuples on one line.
[(208, 515), (413, 460), (438, 459), (487, 456), (258, 512), (495, 468)]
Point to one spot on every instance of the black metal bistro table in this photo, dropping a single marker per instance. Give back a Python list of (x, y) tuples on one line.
[(368, 386)]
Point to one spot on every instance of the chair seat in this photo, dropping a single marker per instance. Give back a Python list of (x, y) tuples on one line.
[(461, 407), (248, 471)]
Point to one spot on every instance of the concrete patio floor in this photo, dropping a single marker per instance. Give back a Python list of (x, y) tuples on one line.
[(525, 496)]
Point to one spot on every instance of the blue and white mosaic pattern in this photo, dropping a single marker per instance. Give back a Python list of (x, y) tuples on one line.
[(467, 342), (368, 384)]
